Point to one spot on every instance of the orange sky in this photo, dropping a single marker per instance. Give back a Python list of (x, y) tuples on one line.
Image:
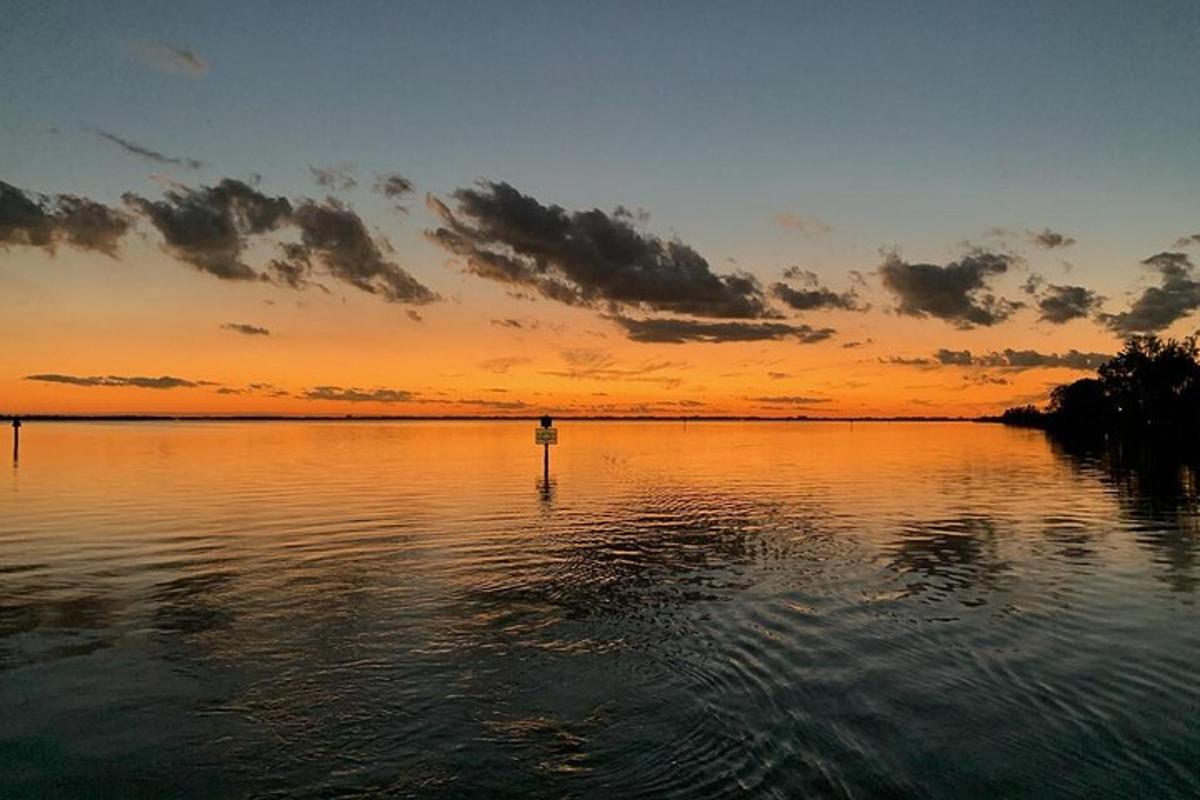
[(144, 314)]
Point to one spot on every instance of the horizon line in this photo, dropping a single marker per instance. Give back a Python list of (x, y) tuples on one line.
[(8, 417)]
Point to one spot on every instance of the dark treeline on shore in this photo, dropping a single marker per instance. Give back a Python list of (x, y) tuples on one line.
[(1148, 395)]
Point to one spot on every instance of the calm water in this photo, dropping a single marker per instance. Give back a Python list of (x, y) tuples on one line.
[(783, 610)]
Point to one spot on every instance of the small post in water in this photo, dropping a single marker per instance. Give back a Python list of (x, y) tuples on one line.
[(546, 435), (16, 438)]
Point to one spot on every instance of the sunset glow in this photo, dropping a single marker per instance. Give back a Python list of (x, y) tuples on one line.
[(428, 244)]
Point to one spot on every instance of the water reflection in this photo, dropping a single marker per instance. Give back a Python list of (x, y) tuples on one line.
[(290, 610), (1157, 494), (943, 557)]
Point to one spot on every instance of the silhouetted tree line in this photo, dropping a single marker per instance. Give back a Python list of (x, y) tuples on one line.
[(1149, 392)]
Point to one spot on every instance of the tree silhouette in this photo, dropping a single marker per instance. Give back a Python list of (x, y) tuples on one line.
[(1149, 391)]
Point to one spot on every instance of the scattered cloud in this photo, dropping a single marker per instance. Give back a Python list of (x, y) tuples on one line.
[(1176, 296), (1019, 359), (46, 221), (172, 59), (805, 225), (393, 186), (502, 365), (146, 152), (789, 400), (333, 233), (586, 257), (1187, 241), (497, 405), (208, 227), (248, 330), (812, 296), (138, 381), (1049, 240), (984, 379), (678, 331), (957, 292), (336, 178), (1059, 304), (356, 395), (589, 364)]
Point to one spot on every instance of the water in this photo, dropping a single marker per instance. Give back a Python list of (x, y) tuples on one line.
[(703, 610)]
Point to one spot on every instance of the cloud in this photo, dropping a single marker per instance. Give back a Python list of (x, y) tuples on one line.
[(248, 330), (1060, 304), (172, 59), (1176, 296), (590, 364), (813, 296), (984, 379), (140, 382), (339, 239), (1048, 239), (208, 227), (393, 186), (1020, 359), (586, 257), (1187, 241), (906, 361), (146, 152), (356, 395), (336, 178), (678, 331), (805, 225), (46, 221), (500, 366), (789, 400), (498, 405), (956, 293)]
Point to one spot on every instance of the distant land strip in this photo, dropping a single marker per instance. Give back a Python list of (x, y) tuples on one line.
[(459, 417)]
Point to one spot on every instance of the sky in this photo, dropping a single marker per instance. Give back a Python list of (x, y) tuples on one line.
[(758, 208)]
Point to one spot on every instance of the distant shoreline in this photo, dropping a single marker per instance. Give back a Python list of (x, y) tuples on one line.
[(454, 418)]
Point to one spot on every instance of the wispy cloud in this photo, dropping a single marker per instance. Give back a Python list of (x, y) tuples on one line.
[(802, 224), (137, 381), (248, 330), (336, 177), (169, 58), (147, 153), (678, 331), (353, 394), (501, 365)]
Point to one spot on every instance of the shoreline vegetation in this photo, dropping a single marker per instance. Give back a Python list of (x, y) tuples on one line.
[(1145, 398)]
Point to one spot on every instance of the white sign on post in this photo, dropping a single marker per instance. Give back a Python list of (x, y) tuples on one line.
[(545, 436)]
